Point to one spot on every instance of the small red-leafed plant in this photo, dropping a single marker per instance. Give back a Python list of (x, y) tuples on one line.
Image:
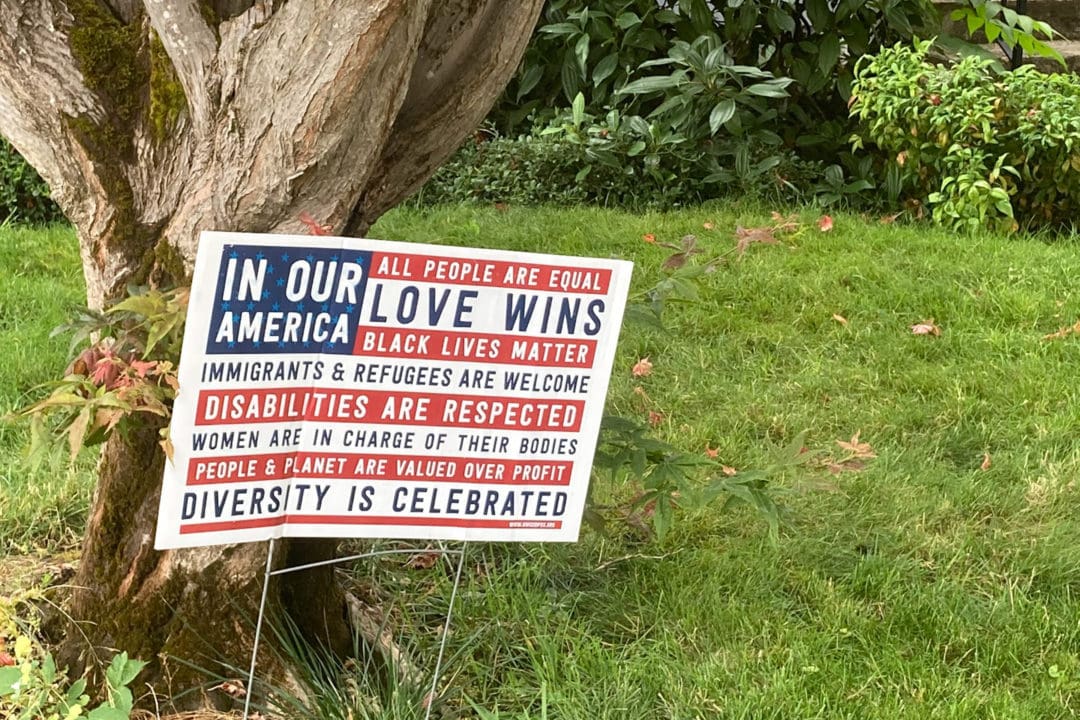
[(126, 368)]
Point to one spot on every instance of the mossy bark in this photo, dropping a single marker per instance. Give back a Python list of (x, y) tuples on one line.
[(183, 609)]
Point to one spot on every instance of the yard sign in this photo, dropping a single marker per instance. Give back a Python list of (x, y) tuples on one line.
[(342, 387)]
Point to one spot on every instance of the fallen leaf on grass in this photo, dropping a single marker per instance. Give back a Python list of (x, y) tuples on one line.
[(926, 328), (856, 448), (986, 462), (890, 219), (785, 224), (749, 236), (1064, 332), (728, 470), (711, 453), (649, 238), (840, 319), (825, 224), (686, 248), (655, 418), (6, 660), (423, 561), (707, 225), (642, 368)]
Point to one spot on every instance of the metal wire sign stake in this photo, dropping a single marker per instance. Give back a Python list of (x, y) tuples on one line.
[(344, 387), (250, 687)]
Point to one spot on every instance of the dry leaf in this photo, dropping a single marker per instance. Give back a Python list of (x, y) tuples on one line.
[(655, 418), (1063, 332), (927, 328), (712, 453), (167, 447), (890, 219), (640, 392), (856, 448), (748, 236), (840, 319), (785, 224), (728, 470), (642, 368), (986, 462), (423, 561), (707, 225), (232, 688), (901, 158), (649, 238), (6, 660), (825, 224)]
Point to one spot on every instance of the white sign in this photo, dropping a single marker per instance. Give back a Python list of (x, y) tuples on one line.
[(342, 387)]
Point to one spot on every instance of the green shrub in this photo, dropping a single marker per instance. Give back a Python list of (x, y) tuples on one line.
[(538, 170), (979, 146), (24, 196), (595, 47)]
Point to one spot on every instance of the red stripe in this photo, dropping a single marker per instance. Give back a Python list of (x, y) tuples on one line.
[(235, 407), (490, 273), (304, 465), (376, 520), (534, 351)]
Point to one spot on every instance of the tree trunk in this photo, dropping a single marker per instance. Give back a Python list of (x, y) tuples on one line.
[(153, 120)]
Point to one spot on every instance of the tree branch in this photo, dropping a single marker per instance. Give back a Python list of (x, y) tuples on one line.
[(305, 108), (192, 47), (446, 99), (41, 85)]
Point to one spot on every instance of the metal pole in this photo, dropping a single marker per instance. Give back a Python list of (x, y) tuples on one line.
[(446, 631), (258, 630)]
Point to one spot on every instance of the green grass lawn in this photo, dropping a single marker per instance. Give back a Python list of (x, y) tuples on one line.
[(922, 586)]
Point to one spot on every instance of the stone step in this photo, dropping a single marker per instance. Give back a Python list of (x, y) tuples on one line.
[(1063, 16)]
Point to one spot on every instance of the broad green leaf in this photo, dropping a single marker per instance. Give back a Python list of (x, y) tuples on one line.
[(767, 89), (605, 68), (9, 677), (74, 693), (529, 79), (780, 20), (720, 114), (819, 13), (578, 109), (828, 53), (652, 84), (563, 28), (569, 76), (581, 52)]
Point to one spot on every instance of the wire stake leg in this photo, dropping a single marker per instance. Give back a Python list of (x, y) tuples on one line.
[(258, 630), (446, 631)]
